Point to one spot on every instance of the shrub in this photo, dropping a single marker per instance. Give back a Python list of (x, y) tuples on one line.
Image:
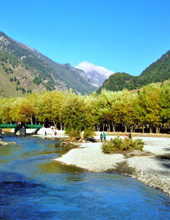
[(73, 133), (11, 79), (88, 133), (37, 80), (126, 145), (110, 146), (107, 147), (138, 144), (118, 144), (18, 82)]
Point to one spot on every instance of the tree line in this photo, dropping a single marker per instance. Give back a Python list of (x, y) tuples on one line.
[(145, 110)]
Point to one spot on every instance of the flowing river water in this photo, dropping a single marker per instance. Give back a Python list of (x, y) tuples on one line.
[(33, 186)]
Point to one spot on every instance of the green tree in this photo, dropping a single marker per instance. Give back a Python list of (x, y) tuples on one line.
[(50, 107), (34, 98), (11, 79), (6, 109), (57, 100), (43, 107), (122, 109), (104, 109), (139, 112), (165, 103), (77, 117), (149, 98)]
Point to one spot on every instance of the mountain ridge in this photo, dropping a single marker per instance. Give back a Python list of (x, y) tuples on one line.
[(158, 71), (45, 73)]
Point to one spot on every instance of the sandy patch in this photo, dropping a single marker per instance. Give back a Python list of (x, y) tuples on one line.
[(90, 156)]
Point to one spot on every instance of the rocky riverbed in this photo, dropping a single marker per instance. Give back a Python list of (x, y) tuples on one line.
[(152, 166)]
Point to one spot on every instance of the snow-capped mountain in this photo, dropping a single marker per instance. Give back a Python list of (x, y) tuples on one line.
[(96, 75)]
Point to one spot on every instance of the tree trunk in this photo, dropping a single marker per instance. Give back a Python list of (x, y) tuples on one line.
[(150, 129), (157, 130), (143, 129), (103, 127), (131, 129), (108, 127), (61, 126), (113, 127), (55, 124), (30, 118), (125, 129)]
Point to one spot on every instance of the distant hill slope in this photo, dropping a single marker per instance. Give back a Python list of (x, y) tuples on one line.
[(23, 70), (158, 71), (96, 75), (118, 81)]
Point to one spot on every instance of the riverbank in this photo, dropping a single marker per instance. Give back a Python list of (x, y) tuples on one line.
[(151, 167), (4, 143)]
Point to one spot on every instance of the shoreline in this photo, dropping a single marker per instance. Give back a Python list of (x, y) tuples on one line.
[(151, 166), (4, 143)]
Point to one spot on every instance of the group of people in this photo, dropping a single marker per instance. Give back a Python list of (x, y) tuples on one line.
[(102, 136), (128, 136), (45, 133)]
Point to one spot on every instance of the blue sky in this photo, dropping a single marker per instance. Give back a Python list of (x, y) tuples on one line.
[(121, 35)]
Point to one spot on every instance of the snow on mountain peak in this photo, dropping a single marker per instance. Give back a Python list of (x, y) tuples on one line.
[(89, 67), (96, 75)]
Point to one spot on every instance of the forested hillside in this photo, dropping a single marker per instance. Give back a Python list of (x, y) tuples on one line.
[(118, 82), (23, 70), (156, 72), (159, 71)]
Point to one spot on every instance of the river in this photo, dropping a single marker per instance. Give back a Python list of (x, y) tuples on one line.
[(33, 186)]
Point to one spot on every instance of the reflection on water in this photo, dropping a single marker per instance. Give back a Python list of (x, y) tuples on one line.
[(9, 149), (34, 186), (56, 167)]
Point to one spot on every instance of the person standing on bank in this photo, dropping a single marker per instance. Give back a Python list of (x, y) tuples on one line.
[(101, 137), (104, 136)]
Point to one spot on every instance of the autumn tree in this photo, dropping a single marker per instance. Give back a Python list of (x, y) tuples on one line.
[(49, 107), (6, 109), (122, 109), (139, 113), (149, 98), (58, 100), (44, 107), (165, 103), (33, 99), (23, 110), (103, 112), (77, 117)]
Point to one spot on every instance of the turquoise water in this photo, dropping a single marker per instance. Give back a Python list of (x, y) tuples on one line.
[(32, 186)]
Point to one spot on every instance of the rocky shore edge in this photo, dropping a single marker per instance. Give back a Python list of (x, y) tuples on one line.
[(4, 143), (152, 179), (152, 166)]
